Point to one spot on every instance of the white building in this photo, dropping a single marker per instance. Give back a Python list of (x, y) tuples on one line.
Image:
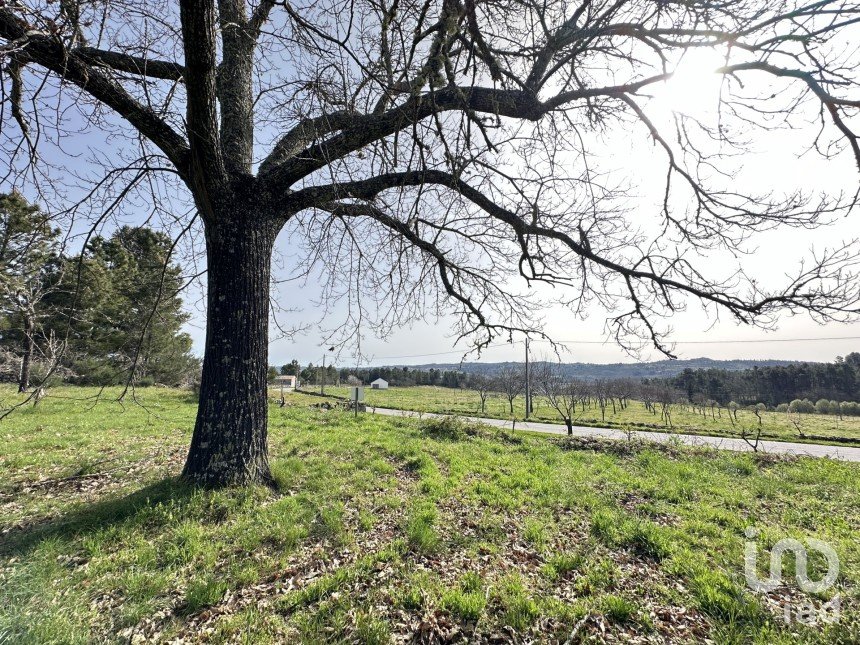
[(287, 382), (379, 384)]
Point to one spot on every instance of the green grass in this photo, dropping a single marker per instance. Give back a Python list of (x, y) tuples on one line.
[(420, 531), (617, 609), (778, 426), (384, 527), (468, 600)]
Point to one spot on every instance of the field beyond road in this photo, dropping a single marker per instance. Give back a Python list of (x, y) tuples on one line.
[(389, 529), (777, 426)]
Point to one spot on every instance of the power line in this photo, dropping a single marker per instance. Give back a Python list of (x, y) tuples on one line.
[(724, 341)]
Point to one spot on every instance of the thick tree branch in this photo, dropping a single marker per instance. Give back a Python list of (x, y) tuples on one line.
[(304, 134), (139, 65), (48, 52), (209, 174), (359, 131), (235, 94), (801, 294), (259, 17)]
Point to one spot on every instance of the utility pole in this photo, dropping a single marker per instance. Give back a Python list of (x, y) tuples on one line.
[(528, 382)]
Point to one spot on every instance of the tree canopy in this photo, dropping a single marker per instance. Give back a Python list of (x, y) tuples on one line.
[(127, 315), (774, 385), (435, 157), (109, 315), (30, 270)]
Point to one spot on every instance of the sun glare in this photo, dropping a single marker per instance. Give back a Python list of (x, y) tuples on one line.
[(694, 87)]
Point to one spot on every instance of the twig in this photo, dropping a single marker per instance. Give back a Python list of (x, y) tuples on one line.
[(576, 629)]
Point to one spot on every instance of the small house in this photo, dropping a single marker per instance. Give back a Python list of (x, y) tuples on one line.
[(286, 381), (379, 384)]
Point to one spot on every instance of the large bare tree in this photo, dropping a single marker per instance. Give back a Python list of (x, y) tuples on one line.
[(431, 156)]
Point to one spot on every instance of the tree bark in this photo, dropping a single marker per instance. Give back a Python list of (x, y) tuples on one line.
[(27, 356), (229, 444)]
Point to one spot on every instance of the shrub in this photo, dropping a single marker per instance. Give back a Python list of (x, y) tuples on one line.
[(471, 582), (519, 609), (534, 532), (649, 540), (560, 565), (803, 407), (203, 593), (850, 408), (603, 526), (452, 429), (371, 630)]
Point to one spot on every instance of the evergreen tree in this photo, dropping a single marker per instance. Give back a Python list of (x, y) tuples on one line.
[(126, 313), (29, 269), (291, 369), (839, 380)]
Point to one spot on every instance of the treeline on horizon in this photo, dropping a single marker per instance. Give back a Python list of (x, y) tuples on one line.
[(800, 387), (775, 385), (396, 376)]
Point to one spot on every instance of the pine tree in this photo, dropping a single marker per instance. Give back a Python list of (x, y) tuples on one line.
[(29, 268), (126, 314)]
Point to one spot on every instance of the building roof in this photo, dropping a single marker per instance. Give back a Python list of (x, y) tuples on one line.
[(379, 380)]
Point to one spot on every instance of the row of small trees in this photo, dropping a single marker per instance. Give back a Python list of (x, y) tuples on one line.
[(822, 406), (571, 396)]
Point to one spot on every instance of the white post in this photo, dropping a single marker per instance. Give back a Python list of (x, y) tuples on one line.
[(528, 382)]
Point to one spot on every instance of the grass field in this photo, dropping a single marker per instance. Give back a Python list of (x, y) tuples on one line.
[(385, 529), (775, 425)]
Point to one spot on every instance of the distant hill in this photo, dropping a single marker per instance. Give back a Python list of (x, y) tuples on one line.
[(591, 371)]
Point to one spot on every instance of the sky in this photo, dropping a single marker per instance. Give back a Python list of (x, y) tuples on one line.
[(774, 164)]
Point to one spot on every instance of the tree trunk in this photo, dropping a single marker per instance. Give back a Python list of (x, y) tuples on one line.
[(569, 425), (229, 444), (27, 356)]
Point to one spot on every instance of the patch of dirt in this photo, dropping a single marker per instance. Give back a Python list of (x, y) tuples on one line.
[(105, 471), (512, 554), (462, 526), (789, 603), (619, 448), (632, 502)]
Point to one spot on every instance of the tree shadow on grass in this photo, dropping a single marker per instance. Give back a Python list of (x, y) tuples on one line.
[(94, 517)]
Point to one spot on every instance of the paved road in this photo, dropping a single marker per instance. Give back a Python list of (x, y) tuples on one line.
[(844, 453)]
